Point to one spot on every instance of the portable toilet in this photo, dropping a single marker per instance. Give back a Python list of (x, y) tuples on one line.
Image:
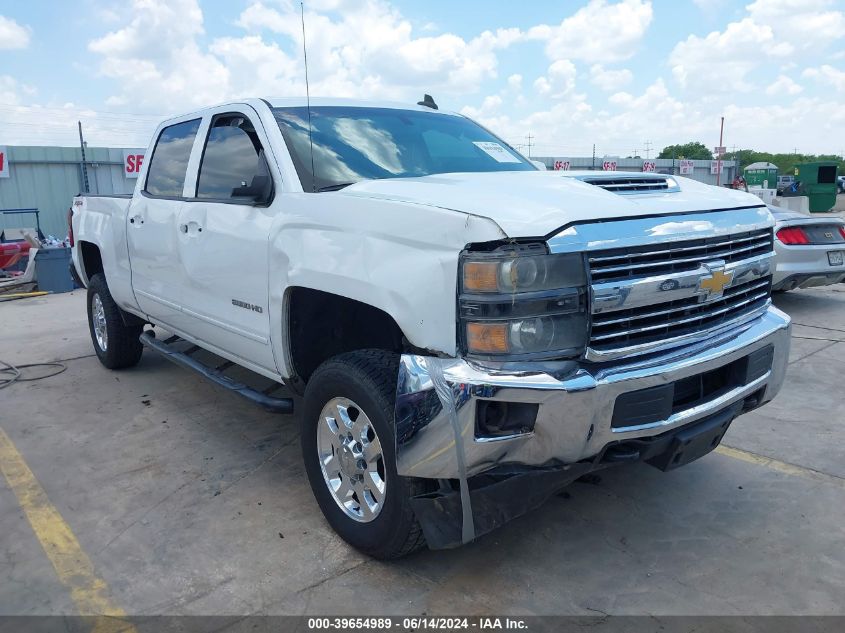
[(763, 175), (818, 183)]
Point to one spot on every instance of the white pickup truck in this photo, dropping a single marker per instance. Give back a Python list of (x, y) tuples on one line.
[(468, 333)]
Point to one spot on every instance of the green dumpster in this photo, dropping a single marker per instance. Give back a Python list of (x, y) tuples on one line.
[(818, 183), (763, 175)]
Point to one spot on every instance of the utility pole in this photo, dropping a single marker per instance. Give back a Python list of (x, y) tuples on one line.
[(530, 144), (635, 152), (84, 164), (647, 145), (736, 161), (719, 159), (594, 156)]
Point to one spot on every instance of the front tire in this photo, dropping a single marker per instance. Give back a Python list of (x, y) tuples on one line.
[(347, 434), (116, 344)]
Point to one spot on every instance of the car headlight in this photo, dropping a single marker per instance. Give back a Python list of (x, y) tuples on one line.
[(520, 302)]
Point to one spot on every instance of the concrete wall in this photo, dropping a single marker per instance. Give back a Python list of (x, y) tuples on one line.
[(47, 178), (701, 171)]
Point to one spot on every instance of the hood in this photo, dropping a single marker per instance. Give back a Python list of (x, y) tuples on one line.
[(538, 203)]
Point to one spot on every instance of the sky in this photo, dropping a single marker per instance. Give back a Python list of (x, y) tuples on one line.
[(629, 76)]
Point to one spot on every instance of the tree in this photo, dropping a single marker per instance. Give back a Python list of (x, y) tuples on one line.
[(692, 150)]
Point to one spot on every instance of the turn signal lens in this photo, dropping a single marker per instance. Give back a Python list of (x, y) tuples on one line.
[(481, 276), (793, 235), (842, 231), (487, 338)]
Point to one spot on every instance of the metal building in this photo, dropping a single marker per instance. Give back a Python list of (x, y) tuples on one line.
[(47, 178)]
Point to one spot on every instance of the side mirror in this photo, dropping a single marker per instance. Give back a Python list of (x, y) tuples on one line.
[(260, 191), (539, 165)]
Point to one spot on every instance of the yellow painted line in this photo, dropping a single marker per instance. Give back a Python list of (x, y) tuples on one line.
[(74, 569), (781, 467)]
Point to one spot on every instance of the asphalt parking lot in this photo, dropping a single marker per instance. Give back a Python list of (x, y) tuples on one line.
[(174, 497)]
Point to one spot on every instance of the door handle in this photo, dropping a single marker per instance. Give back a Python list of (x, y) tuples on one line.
[(190, 228)]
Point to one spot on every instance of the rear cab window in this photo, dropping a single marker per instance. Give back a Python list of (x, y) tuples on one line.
[(169, 163)]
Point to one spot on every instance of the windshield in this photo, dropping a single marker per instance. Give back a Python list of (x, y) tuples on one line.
[(358, 143)]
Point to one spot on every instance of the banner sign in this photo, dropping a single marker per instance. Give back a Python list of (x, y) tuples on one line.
[(687, 167), (562, 165), (4, 162), (609, 165), (132, 163), (649, 165), (715, 167)]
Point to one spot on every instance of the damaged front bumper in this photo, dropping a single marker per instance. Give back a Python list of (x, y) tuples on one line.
[(587, 416)]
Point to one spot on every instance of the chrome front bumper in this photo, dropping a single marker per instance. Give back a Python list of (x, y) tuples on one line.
[(437, 398)]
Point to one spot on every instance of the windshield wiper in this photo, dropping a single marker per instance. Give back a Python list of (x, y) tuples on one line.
[(335, 187)]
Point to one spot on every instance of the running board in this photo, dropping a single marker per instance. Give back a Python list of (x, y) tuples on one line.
[(214, 374)]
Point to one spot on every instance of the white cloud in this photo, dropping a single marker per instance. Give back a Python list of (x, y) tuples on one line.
[(515, 82), (608, 79), (12, 34), (783, 85), (11, 90), (803, 24), (828, 76), (600, 31), (559, 80), (156, 61), (723, 61), (369, 49)]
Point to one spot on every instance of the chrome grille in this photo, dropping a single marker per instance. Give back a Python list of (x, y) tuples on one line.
[(626, 328), (643, 328), (643, 261)]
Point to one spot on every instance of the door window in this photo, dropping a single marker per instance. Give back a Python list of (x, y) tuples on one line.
[(169, 164), (233, 165)]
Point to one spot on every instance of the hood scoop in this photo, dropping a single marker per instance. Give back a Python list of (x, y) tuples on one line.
[(634, 183)]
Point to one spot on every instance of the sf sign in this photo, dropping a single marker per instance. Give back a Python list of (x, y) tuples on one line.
[(649, 165), (132, 163), (4, 162), (562, 165), (609, 165)]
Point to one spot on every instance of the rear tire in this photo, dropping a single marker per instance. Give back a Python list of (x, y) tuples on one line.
[(353, 395), (116, 344)]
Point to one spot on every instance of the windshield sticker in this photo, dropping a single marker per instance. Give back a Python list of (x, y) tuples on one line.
[(499, 153)]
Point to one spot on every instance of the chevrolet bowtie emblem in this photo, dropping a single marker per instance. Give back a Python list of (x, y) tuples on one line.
[(715, 283)]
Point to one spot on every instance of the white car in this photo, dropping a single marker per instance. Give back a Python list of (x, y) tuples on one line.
[(810, 251), (469, 333)]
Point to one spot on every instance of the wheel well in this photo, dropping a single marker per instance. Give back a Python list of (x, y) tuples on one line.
[(92, 262), (323, 325)]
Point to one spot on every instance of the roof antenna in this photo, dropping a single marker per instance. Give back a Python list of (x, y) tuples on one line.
[(308, 97), (428, 102)]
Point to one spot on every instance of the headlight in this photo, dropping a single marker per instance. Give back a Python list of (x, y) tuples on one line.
[(520, 302)]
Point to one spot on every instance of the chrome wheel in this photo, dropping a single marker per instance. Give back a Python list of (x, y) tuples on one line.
[(98, 320), (351, 459)]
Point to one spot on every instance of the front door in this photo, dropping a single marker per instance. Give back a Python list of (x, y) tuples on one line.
[(222, 240)]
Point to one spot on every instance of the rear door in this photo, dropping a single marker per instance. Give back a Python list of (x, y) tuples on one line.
[(152, 224), (222, 239)]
